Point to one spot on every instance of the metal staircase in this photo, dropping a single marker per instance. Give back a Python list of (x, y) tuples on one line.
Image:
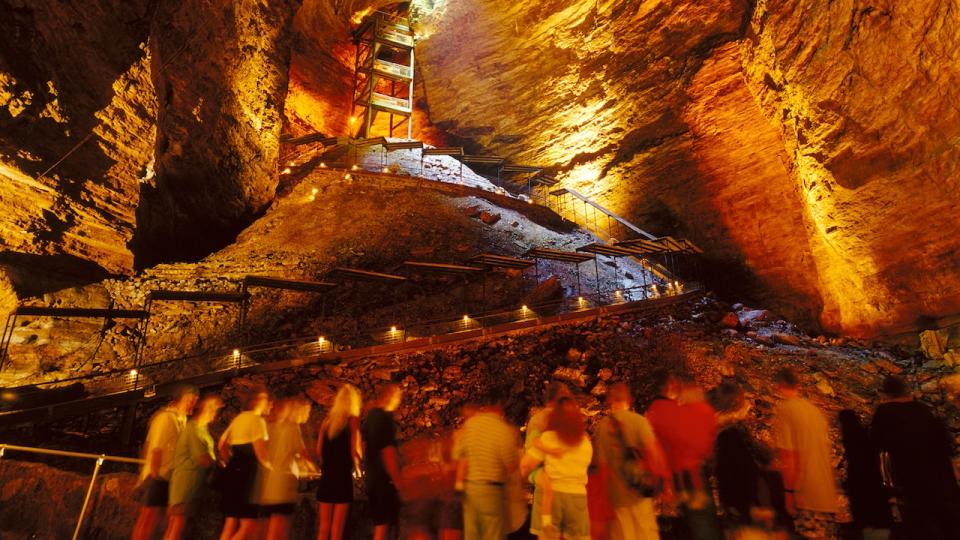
[(383, 74)]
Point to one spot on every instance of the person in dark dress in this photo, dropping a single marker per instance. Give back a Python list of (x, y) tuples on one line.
[(920, 450), (751, 493), (869, 501), (243, 446), (338, 447), (381, 464)]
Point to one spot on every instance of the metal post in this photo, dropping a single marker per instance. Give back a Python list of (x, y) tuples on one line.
[(86, 500), (578, 279), (643, 268), (536, 269), (596, 268), (11, 324)]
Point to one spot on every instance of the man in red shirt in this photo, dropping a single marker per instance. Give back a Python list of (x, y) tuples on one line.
[(686, 426)]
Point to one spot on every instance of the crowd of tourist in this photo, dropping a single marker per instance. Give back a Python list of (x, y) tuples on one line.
[(689, 468)]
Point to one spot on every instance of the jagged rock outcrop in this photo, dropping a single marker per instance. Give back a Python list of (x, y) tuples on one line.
[(220, 71), (76, 130), (774, 133)]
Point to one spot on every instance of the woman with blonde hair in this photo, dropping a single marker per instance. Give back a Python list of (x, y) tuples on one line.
[(339, 452)]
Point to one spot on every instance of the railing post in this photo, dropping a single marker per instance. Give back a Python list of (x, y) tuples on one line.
[(86, 500)]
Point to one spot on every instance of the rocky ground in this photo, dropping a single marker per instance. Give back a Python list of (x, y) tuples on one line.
[(324, 221), (712, 340)]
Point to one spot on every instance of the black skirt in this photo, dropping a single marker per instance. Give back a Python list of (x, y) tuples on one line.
[(239, 482)]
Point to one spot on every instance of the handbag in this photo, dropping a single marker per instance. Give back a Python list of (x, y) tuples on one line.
[(635, 470)]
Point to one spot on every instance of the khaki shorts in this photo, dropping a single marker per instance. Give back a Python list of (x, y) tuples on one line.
[(569, 514)]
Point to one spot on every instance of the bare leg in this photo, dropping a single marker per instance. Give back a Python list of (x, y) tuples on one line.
[(340, 513), (147, 522), (229, 528), (380, 532), (324, 513), (175, 526), (278, 527), (247, 530)]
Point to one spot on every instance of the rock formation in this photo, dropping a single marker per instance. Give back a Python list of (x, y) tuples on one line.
[(810, 148), (771, 132)]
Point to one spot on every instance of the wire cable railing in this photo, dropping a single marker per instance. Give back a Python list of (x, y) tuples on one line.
[(331, 345)]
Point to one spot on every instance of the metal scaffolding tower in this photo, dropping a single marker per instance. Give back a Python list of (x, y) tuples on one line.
[(383, 73)]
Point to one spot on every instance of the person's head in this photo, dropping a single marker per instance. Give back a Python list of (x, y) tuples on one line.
[(894, 387), (619, 397), (346, 406), (258, 400), (390, 396), (491, 399), (787, 381), (554, 391), (667, 383), (281, 409), (301, 410), (567, 420), (209, 408), (185, 398), (468, 410), (730, 403), (690, 390)]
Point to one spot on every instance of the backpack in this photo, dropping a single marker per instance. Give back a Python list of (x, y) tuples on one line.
[(635, 471)]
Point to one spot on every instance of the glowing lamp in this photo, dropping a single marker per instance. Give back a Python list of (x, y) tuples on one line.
[(133, 373), (393, 329), (285, 171), (314, 191), (353, 119), (323, 165), (236, 353), (354, 168), (386, 170)]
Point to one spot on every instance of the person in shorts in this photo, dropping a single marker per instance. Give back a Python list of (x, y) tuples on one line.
[(158, 455), (193, 457)]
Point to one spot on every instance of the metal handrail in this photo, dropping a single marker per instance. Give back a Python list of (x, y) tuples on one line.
[(93, 478)]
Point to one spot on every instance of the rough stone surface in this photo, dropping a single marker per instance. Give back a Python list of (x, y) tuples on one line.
[(221, 73), (774, 133)]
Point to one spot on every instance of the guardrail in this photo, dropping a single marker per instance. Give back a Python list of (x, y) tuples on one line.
[(93, 478), (143, 381)]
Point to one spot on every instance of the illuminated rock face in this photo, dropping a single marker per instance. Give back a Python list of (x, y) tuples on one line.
[(810, 147), (75, 95), (220, 71)]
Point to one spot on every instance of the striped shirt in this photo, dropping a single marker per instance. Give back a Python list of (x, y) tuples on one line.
[(490, 446)]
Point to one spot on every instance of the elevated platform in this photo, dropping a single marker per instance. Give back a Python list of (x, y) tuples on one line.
[(76, 312), (288, 284), (355, 274), (441, 268), (197, 296), (501, 261), (558, 255)]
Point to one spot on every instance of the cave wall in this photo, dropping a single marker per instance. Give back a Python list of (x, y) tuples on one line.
[(220, 70), (809, 146)]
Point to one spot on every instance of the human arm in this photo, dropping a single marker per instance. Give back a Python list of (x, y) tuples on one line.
[(529, 462), (786, 459), (319, 450), (261, 450), (391, 463), (223, 445)]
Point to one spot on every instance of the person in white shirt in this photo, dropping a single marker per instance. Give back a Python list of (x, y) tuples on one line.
[(165, 428), (565, 451)]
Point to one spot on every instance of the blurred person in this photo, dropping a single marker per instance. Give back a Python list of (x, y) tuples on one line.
[(869, 499), (537, 424), (686, 428), (243, 447), (441, 476), (158, 455), (193, 458), (750, 493), (565, 451), (634, 515), (381, 462), (339, 453), (801, 437), (488, 446), (920, 450), (286, 452)]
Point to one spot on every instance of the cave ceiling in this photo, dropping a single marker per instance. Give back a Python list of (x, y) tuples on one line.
[(809, 146)]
